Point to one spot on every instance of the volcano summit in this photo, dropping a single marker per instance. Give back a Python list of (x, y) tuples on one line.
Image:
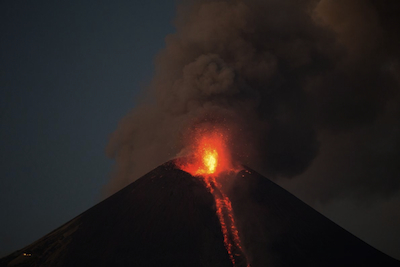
[(169, 218)]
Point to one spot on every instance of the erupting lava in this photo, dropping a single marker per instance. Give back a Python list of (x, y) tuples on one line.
[(211, 158), (209, 154)]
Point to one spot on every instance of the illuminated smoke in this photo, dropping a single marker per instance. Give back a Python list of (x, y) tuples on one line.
[(284, 78)]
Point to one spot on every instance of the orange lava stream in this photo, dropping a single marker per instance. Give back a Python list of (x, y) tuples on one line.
[(225, 216), (211, 158)]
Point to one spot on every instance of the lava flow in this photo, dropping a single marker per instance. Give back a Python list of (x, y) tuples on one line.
[(209, 160)]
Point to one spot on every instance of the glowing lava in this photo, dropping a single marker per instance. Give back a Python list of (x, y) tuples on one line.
[(225, 215), (208, 154), (210, 158)]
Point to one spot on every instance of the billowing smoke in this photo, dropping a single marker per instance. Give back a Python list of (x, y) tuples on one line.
[(307, 88)]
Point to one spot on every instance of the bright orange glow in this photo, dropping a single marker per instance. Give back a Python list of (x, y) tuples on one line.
[(209, 154), (210, 158), (210, 161)]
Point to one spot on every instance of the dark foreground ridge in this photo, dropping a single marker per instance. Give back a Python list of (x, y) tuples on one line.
[(167, 218)]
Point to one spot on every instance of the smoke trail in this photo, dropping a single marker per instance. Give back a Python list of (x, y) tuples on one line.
[(281, 75)]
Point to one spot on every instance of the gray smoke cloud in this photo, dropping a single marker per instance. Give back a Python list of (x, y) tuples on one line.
[(308, 89)]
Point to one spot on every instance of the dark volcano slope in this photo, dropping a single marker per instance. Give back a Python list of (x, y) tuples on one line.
[(166, 218), (278, 229)]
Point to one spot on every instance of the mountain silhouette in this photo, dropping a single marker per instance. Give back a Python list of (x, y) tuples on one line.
[(168, 218)]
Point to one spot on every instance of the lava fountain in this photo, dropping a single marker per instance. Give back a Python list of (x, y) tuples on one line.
[(209, 160)]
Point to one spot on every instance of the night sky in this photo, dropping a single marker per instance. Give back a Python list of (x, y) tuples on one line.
[(68, 73)]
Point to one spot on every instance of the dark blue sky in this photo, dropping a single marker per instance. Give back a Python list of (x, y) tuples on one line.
[(69, 71)]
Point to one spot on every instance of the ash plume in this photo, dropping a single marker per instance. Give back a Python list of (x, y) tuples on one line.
[(305, 88)]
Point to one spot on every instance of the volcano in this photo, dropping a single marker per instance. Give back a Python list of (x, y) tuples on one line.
[(168, 218)]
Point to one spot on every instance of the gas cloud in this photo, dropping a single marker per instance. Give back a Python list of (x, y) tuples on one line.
[(308, 90)]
